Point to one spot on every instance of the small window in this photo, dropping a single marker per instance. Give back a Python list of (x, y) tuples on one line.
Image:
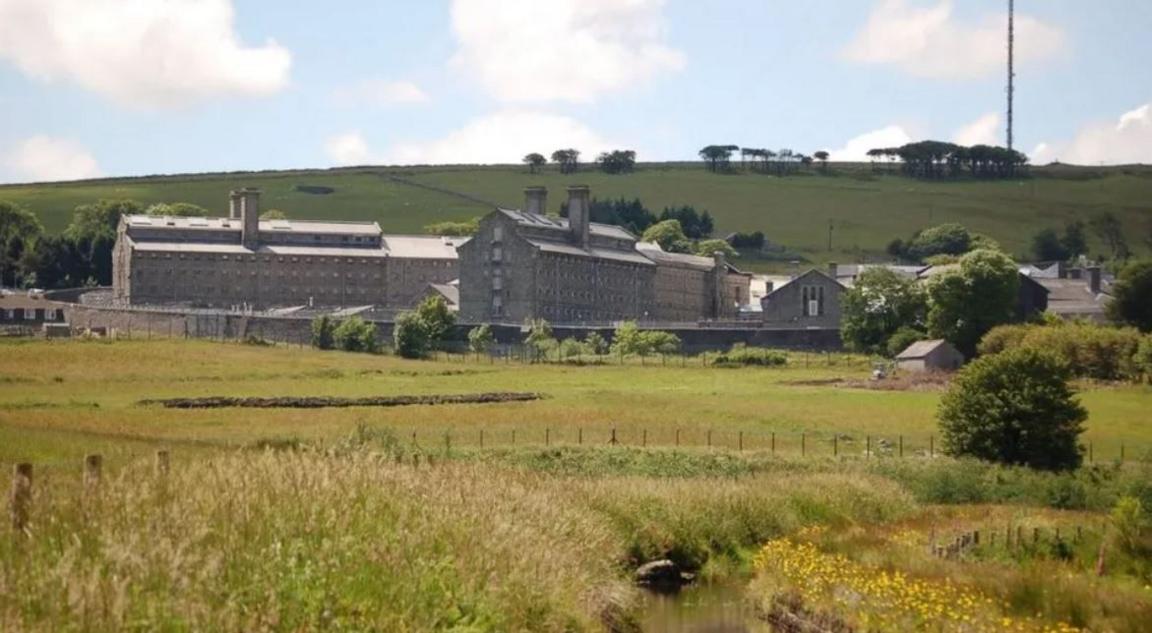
[(497, 233)]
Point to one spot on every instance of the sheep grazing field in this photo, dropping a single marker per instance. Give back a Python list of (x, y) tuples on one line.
[(826, 500)]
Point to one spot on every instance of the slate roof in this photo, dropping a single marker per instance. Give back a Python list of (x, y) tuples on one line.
[(524, 218), (422, 246), (653, 251), (269, 226), (631, 256), (921, 349)]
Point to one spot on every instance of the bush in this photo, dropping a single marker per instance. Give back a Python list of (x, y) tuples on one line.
[(880, 303), (1016, 408), (1132, 296), (901, 339), (480, 339), (1089, 350), (570, 348), (754, 356), (323, 328), (596, 343), (660, 342), (540, 339), (626, 340), (409, 335), (438, 320), (1142, 361), (356, 335)]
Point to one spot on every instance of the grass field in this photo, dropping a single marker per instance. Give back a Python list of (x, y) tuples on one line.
[(867, 210), (306, 519)]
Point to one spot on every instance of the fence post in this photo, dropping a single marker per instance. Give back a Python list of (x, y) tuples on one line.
[(613, 440), (1090, 460), (802, 447), (773, 442), (162, 463), (92, 466), (547, 436), (580, 436), (1121, 452), (931, 446), (21, 495), (513, 437), (901, 446), (867, 446), (677, 437), (740, 442), (835, 445), (481, 438), (709, 438), (447, 442)]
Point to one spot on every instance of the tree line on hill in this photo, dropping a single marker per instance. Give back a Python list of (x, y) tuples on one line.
[(82, 254), (619, 161), (939, 159)]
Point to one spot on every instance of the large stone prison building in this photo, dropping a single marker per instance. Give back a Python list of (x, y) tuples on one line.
[(241, 260)]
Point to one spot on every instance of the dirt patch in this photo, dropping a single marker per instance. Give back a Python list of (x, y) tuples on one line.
[(319, 402), (925, 381)]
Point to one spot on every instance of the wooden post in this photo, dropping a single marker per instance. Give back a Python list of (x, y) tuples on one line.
[(21, 495), (513, 437), (644, 440), (481, 438), (447, 442), (931, 446), (613, 440), (975, 537), (677, 437), (547, 436), (162, 463), (709, 438), (1121, 452), (802, 447), (773, 442), (835, 445), (92, 466), (1035, 535), (867, 446), (580, 436), (901, 446), (740, 442)]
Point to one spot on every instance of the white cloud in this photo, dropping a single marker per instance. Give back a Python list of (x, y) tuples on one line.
[(145, 53), (931, 42), (561, 50), (1127, 140), (43, 158), (349, 148), (982, 131), (381, 92), (856, 149)]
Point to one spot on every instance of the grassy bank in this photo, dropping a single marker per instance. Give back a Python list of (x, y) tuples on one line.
[(868, 210)]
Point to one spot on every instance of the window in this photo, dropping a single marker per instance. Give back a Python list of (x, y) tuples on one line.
[(497, 305), (812, 298), (497, 233), (497, 253)]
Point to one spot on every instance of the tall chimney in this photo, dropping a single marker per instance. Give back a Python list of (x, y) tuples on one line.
[(833, 269), (1094, 279), (578, 213), (250, 217), (234, 205), (536, 200)]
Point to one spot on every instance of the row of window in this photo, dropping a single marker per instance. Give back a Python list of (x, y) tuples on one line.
[(265, 274), (32, 314), (267, 259)]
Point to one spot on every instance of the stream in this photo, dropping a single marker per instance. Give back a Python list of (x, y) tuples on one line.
[(710, 607)]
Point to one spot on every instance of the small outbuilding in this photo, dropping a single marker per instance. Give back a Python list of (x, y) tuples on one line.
[(935, 355)]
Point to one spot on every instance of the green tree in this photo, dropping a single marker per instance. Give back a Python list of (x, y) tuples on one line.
[(617, 161), (1142, 359), (437, 318), (1111, 231), (965, 303), (1047, 246), (273, 214), (480, 339), (708, 248), (571, 348), (356, 335), (880, 303), (408, 336), (1015, 408), (598, 346), (534, 161), (568, 159), (716, 157), (945, 239), (454, 229), (19, 232), (658, 341), (901, 339), (822, 156), (323, 332), (669, 236), (1075, 239), (696, 225), (90, 221), (540, 339), (1132, 296), (627, 339), (177, 210)]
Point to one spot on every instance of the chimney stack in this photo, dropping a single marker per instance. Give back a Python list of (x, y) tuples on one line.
[(249, 216), (536, 200), (234, 205), (1094, 279), (833, 269), (578, 212)]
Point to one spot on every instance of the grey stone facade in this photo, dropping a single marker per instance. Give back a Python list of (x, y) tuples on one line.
[(241, 260), (811, 300), (524, 264)]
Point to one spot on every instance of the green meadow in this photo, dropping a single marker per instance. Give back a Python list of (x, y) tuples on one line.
[(866, 209), (522, 515)]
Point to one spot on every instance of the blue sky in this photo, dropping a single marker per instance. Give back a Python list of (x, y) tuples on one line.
[(131, 87)]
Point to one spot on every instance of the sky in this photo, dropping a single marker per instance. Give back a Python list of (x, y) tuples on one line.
[(92, 88)]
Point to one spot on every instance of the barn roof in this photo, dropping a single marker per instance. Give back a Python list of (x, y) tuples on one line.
[(921, 349)]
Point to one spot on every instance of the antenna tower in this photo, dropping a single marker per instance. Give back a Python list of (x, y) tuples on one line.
[(1011, 71)]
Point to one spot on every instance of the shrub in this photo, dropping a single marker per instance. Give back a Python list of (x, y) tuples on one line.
[(539, 339), (1088, 350), (437, 318), (356, 335), (1132, 296), (409, 335), (596, 343), (323, 328), (571, 347), (965, 303), (754, 356), (1142, 361), (901, 339), (626, 340), (880, 303), (480, 339), (1015, 407), (660, 342)]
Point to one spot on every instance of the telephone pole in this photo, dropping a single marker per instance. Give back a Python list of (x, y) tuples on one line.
[(1011, 71)]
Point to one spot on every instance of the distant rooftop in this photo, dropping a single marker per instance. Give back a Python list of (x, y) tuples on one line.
[(269, 226), (561, 224), (921, 349)]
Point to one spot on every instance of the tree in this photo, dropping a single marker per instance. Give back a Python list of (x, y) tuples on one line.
[(100, 218), (1074, 240), (568, 159), (617, 161), (1110, 230), (16, 222), (627, 340), (273, 214), (944, 239), (669, 236), (438, 320), (822, 156), (965, 303), (356, 335), (878, 305), (177, 210), (1047, 246), (454, 229), (1014, 408), (408, 336), (901, 339), (709, 248), (534, 161), (480, 339), (696, 225), (598, 346), (658, 341), (1132, 296), (755, 239), (323, 332), (540, 339), (716, 157)]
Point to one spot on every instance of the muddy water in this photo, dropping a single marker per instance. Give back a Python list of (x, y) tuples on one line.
[(715, 607)]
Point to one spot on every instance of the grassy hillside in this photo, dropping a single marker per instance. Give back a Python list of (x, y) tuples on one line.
[(867, 210)]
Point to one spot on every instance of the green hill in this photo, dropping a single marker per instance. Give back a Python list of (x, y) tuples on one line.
[(867, 210)]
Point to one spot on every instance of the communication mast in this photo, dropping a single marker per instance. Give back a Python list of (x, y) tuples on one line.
[(1011, 71)]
